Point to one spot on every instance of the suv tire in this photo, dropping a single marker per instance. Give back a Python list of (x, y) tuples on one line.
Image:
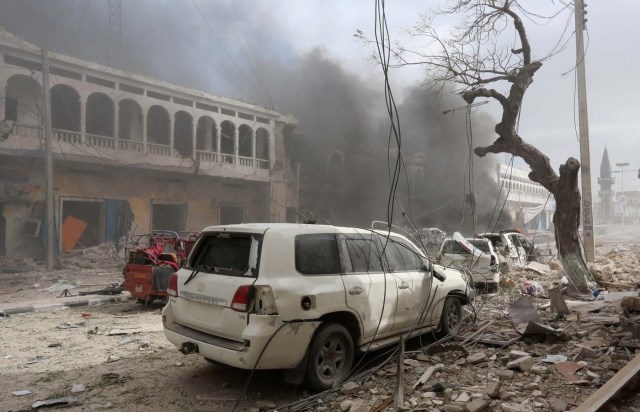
[(330, 356), (451, 316)]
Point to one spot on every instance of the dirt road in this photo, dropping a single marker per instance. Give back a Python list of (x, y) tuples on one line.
[(120, 355)]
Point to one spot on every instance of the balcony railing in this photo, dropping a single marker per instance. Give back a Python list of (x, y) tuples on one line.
[(101, 141), (68, 136), (131, 146), (159, 149), (136, 146), (207, 156), (245, 161)]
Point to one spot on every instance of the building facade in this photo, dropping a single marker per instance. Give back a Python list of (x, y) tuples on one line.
[(528, 203), (131, 154)]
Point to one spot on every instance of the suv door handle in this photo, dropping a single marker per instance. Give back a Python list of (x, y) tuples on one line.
[(403, 285), (355, 290)]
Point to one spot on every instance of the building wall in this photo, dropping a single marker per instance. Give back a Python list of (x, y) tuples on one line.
[(202, 196)]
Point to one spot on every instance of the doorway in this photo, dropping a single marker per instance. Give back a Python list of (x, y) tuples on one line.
[(82, 223)]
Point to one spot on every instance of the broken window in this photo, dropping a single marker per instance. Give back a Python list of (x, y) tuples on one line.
[(100, 116), (183, 133), (65, 108), (245, 141), (262, 144), (206, 134), (158, 124), (82, 223), (22, 100), (130, 120), (317, 254), (167, 216), (231, 214), (227, 137)]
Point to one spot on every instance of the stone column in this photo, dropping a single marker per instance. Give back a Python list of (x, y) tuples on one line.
[(171, 137), (83, 120), (236, 144)]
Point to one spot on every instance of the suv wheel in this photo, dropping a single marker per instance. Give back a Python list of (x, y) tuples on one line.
[(330, 356), (451, 316)]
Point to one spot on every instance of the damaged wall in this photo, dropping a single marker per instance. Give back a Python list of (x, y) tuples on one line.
[(202, 196)]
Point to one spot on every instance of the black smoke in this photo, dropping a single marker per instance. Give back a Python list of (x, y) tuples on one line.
[(341, 141)]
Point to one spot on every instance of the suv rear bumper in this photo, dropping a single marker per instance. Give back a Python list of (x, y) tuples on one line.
[(261, 330)]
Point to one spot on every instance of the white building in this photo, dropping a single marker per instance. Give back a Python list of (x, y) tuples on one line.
[(529, 204)]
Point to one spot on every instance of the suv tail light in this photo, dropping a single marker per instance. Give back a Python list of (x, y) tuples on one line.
[(242, 298), (172, 289)]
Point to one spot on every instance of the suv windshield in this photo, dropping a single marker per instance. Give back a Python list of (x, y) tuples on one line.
[(481, 244), (227, 254)]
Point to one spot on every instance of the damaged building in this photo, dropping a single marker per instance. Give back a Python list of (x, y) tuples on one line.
[(131, 154)]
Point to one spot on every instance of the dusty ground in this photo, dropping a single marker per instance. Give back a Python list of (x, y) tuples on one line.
[(135, 367), (138, 371)]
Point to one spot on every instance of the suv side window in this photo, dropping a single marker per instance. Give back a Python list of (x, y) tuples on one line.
[(361, 255), (401, 256), (317, 254)]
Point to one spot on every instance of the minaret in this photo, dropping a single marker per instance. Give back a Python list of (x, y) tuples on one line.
[(606, 195)]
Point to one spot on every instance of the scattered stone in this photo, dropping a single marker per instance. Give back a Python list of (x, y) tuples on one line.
[(460, 361), (493, 390), (539, 369), (477, 405), (359, 406), (54, 402), (113, 358), (349, 388), (265, 405), (412, 362), (21, 393), (505, 374), (476, 358), (592, 376), (524, 363), (463, 397), (454, 408), (558, 405), (179, 364), (429, 395), (515, 354), (346, 405), (554, 359), (587, 353), (77, 388), (33, 360), (55, 345), (514, 407)]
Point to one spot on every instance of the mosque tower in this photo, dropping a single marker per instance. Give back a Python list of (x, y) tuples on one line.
[(605, 181)]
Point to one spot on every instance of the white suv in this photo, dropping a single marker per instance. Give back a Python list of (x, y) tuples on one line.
[(306, 297)]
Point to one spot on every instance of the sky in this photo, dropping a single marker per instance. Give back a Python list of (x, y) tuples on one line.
[(220, 46)]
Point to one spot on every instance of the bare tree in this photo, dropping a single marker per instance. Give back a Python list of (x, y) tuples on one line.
[(488, 55)]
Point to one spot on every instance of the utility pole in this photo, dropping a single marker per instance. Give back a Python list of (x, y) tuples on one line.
[(48, 158), (585, 157)]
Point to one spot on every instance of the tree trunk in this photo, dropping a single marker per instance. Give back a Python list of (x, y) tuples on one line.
[(566, 221)]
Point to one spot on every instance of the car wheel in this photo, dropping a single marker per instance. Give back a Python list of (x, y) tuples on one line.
[(330, 357), (451, 316)]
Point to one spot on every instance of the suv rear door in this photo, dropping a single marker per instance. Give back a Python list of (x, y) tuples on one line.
[(220, 264), (413, 282), (366, 283)]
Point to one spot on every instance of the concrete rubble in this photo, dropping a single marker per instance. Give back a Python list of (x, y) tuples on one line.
[(553, 367)]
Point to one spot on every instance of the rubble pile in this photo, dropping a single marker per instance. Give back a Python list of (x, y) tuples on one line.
[(103, 255), (523, 353), (619, 266)]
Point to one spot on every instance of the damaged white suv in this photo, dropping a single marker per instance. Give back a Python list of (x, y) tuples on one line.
[(306, 297)]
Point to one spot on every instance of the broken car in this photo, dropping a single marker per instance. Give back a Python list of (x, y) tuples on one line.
[(306, 297), (513, 248), (475, 255)]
